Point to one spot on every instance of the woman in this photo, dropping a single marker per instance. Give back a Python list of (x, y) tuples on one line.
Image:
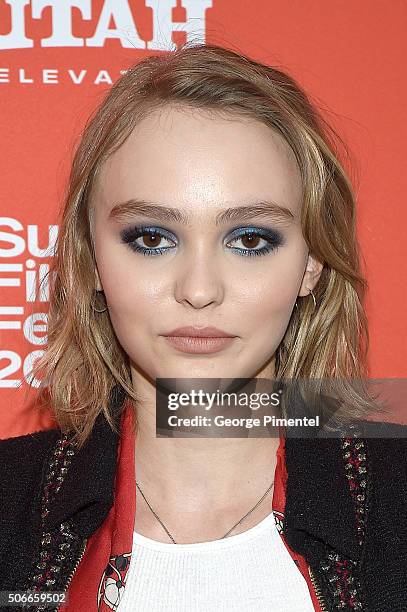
[(197, 162)]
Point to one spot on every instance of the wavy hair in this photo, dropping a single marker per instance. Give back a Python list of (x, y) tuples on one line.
[(83, 359)]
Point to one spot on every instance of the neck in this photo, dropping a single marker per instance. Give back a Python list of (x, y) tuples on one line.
[(199, 474)]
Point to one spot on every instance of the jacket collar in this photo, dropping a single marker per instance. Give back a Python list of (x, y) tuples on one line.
[(93, 467), (319, 511)]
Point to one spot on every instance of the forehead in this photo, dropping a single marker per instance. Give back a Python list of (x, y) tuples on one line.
[(199, 161)]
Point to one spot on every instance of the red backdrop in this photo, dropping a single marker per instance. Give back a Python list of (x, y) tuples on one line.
[(57, 59)]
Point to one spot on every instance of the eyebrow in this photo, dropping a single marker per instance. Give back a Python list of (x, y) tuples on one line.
[(265, 208)]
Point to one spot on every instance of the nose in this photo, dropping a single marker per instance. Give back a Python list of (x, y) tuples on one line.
[(199, 281)]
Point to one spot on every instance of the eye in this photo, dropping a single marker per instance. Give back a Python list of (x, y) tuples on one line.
[(256, 241), (147, 240)]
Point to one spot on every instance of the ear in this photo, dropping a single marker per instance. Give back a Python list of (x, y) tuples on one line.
[(311, 275), (97, 281)]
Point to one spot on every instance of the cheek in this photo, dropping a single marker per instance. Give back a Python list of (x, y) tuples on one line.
[(129, 292), (132, 304), (132, 296), (268, 310), (274, 312), (268, 297), (274, 284)]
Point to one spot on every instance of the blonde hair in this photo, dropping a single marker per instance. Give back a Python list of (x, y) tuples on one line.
[(83, 360)]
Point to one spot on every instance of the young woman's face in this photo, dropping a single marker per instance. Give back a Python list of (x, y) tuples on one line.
[(182, 257)]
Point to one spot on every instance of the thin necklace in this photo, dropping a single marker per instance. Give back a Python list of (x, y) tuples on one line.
[(226, 534)]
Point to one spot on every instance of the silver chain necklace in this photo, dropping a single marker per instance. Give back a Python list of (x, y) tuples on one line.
[(226, 534)]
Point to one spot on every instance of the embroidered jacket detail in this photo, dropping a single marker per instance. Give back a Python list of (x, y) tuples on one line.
[(59, 548), (338, 576)]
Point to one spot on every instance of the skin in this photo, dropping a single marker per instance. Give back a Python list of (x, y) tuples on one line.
[(200, 162)]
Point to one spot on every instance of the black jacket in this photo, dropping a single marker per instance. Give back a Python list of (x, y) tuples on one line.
[(363, 532)]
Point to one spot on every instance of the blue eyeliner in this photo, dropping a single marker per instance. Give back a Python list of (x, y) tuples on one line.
[(129, 236)]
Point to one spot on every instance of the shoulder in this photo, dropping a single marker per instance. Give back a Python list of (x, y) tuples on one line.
[(386, 446), (320, 465), (29, 446), (22, 460), (386, 455)]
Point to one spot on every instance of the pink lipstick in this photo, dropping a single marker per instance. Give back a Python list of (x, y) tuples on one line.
[(192, 339)]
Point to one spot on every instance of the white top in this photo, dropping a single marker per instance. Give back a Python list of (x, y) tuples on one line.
[(247, 572)]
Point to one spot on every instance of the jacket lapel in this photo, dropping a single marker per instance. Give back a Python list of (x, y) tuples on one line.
[(319, 509), (87, 490)]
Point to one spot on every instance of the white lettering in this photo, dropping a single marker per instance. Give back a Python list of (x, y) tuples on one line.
[(32, 241), (62, 21), (103, 77), (125, 30), (50, 75), (16, 38), (22, 77), (77, 79), (35, 328), (4, 75), (17, 241), (28, 366), (118, 11), (163, 25)]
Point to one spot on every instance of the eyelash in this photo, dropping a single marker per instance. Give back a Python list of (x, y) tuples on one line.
[(130, 235)]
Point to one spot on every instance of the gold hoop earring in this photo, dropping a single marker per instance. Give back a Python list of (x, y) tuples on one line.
[(93, 306), (313, 297)]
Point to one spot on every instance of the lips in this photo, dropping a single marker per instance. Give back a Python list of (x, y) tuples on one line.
[(199, 332)]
